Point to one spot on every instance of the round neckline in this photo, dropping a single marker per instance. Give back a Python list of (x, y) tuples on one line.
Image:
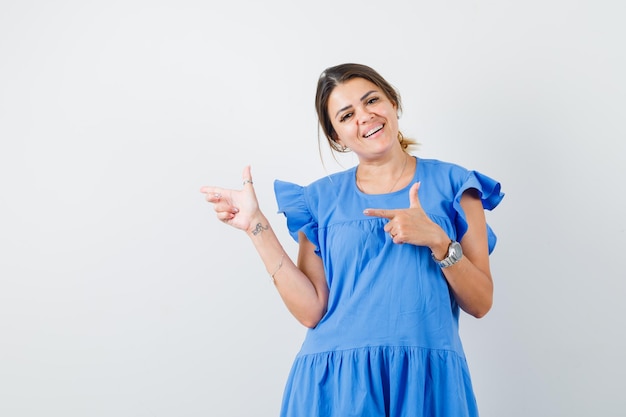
[(403, 189)]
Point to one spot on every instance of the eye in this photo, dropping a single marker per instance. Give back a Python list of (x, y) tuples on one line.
[(345, 117), (372, 100)]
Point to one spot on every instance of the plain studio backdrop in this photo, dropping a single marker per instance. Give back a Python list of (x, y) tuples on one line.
[(121, 294)]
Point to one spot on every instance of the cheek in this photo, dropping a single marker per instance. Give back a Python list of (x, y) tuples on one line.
[(345, 136), (340, 131)]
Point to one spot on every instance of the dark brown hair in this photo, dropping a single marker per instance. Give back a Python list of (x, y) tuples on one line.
[(339, 74)]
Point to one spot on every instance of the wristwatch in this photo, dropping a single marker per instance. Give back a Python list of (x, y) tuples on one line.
[(455, 253)]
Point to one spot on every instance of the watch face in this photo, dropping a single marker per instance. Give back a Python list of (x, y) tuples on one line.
[(455, 251)]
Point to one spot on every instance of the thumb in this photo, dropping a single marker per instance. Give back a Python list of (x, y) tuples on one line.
[(414, 201), (246, 176)]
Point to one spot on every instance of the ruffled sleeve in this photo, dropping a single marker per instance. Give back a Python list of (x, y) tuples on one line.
[(292, 202), (490, 195)]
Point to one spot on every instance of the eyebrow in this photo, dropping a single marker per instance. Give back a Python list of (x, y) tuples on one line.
[(350, 105)]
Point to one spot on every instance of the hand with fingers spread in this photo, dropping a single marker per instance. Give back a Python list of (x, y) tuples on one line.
[(411, 225), (237, 208)]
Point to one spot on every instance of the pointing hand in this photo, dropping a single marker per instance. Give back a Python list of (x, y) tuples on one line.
[(409, 225), (234, 207)]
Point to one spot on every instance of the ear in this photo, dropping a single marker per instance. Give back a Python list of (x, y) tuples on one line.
[(339, 142)]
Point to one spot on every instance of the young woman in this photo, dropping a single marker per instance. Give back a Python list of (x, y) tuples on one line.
[(389, 252)]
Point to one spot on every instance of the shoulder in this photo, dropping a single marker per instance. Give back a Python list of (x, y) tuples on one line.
[(435, 168), (332, 183), (456, 179), (322, 189), (436, 164)]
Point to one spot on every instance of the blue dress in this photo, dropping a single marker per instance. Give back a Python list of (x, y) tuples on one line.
[(388, 344)]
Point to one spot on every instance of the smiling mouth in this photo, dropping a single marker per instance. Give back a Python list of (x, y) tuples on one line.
[(372, 131)]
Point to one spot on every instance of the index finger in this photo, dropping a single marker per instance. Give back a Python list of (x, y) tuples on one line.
[(210, 190), (212, 194), (384, 213)]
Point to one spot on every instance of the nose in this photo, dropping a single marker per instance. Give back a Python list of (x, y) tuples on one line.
[(365, 116)]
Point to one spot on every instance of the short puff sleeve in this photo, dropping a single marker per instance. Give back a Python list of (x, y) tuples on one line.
[(490, 195), (292, 202)]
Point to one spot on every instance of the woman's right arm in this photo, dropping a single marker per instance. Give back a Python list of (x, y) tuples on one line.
[(303, 286)]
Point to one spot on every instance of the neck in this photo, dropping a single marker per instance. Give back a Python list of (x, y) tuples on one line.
[(385, 177)]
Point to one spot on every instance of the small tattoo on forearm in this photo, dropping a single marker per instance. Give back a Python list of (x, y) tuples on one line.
[(259, 228)]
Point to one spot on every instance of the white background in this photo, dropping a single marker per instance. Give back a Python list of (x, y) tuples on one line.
[(122, 295)]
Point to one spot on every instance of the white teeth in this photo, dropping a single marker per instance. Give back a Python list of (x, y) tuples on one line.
[(371, 132)]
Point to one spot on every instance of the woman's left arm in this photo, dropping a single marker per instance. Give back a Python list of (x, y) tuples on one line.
[(470, 278)]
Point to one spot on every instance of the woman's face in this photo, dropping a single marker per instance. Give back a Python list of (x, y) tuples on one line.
[(364, 119)]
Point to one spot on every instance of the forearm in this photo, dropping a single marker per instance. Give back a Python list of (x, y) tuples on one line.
[(300, 296), (471, 287), (469, 278)]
